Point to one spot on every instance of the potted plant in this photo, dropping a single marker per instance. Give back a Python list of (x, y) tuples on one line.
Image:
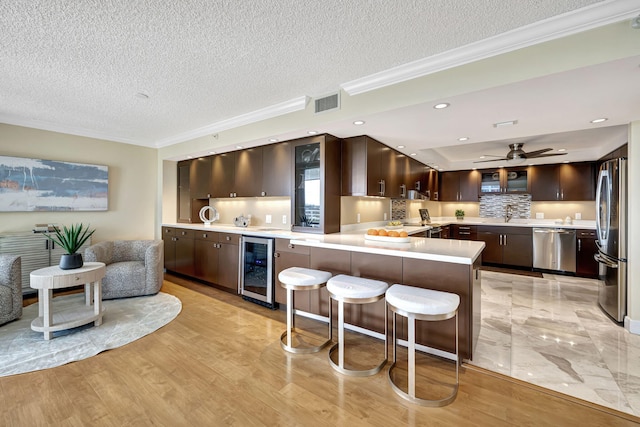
[(304, 220), (460, 214), (71, 239)]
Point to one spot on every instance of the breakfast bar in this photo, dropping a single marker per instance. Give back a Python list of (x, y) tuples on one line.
[(438, 264)]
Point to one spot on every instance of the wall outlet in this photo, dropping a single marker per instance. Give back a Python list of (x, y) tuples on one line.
[(267, 219), (358, 218), (578, 215), (284, 219), (539, 215)]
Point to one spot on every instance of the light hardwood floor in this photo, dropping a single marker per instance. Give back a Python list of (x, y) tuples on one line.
[(219, 363)]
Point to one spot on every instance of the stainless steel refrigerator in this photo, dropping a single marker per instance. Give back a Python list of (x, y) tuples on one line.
[(611, 226)]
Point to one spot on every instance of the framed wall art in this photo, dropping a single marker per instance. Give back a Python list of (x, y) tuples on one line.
[(49, 185)]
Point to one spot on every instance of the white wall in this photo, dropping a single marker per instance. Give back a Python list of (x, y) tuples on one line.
[(632, 322), (132, 182)]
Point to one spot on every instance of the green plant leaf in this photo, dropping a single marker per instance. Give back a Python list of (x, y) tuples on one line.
[(71, 239)]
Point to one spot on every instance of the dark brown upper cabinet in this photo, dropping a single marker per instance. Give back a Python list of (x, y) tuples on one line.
[(459, 186), (276, 170), (315, 194), (200, 178), (563, 182), (370, 168), (505, 181), (223, 168), (248, 172)]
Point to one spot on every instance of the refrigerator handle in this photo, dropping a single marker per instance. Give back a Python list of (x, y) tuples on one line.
[(604, 174), (603, 260)]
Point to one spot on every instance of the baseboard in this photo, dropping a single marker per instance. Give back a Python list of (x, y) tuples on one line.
[(633, 326)]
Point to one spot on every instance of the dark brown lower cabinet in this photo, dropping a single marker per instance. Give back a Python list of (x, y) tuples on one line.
[(378, 267), (206, 256), (511, 246), (586, 249), (334, 261), (228, 258), (460, 279), (289, 255), (179, 250)]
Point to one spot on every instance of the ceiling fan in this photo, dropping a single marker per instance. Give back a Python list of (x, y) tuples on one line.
[(517, 154)]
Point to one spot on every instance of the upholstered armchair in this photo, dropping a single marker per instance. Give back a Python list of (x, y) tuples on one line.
[(10, 288), (134, 267)]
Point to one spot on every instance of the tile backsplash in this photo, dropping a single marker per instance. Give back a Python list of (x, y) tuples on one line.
[(495, 205)]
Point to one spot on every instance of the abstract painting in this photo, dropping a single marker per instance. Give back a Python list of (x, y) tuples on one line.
[(49, 185)]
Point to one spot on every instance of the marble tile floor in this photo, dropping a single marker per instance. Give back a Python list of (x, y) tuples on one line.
[(551, 332)]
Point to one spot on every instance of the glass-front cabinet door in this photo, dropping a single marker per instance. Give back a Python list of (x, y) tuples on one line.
[(316, 182), (308, 197)]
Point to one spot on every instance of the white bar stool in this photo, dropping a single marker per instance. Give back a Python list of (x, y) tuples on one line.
[(301, 279), (354, 290), (421, 304)]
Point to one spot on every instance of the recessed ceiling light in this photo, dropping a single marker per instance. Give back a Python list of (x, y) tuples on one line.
[(562, 150), (463, 138), (273, 140), (600, 120), (566, 161), (400, 146), (482, 157), (142, 95), (239, 147), (189, 157), (414, 154), (441, 106), (312, 132), (507, 123), (212, 152), (358, 122)]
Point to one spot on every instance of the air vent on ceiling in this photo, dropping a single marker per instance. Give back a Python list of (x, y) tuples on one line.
[(327, 103)]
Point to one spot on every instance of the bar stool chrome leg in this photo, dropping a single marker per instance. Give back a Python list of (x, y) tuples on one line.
[(448, 308)]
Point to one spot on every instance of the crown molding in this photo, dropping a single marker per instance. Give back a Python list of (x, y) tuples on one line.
[(587, 18), (290, 106), (70, 130)]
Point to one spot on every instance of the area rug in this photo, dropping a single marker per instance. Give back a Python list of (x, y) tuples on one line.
[(124, 320)]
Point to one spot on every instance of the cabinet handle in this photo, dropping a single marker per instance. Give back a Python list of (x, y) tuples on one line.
[(204, 235), (264, 193), (382, 187), (276, 255), (291, 246), (579, 244), (501, 240), (228, 238), (562, 194), (466, 233), (505, 240)]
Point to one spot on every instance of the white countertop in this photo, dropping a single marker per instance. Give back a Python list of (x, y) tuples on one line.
[(444, 250), (517, 222)]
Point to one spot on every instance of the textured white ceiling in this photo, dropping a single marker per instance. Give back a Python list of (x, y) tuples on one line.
[(76, 66)]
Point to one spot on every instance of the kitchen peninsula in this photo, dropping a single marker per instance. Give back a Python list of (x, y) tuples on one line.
[(439, 264)]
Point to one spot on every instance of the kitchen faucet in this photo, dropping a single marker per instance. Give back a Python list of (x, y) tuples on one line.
[(508, 213)]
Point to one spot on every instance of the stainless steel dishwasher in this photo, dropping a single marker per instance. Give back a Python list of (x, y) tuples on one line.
[(554, 249)]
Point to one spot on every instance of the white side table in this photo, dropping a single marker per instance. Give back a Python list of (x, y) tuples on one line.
[(45, 280)]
